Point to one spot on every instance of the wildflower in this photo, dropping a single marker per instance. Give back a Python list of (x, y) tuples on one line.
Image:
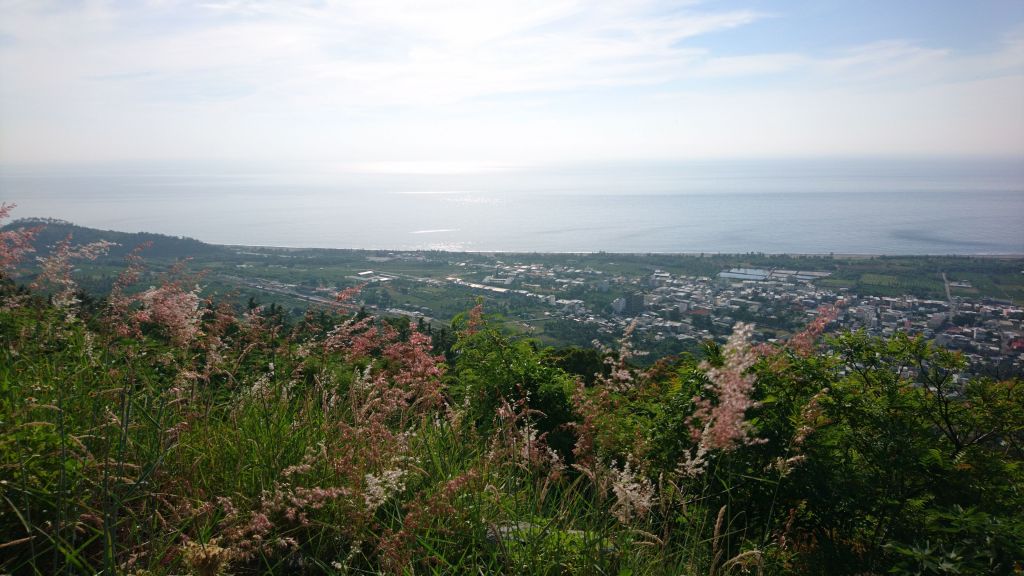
[(297, 469), (620, 377), (14, 244), (345, 297), (591, 407), (633, 494), (693, 465), (119, 303), (435, 511), (724, 424), (419, 371), (55, 271), (89, 346), (809, 417), (287, 543), (803, 342), (530, 448), (259, 524), (516, 440), (380, 488), (785, 465), (208, 559), (342, 337), (173, 308), (808, 422), (475, 319), (213, 344), (170, 306), (456, 415)]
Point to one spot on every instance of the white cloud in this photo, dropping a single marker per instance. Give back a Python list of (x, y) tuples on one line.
[(470, 81), (359, 53)]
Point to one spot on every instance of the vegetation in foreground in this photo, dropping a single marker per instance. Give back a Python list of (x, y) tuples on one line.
[(156, 432)]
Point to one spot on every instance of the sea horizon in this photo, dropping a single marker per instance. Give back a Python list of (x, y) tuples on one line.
[(942, 206)]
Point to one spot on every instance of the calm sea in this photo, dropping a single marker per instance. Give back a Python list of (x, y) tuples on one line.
[(813, 206)]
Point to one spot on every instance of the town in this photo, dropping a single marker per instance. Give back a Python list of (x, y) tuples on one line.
[(572, 300)]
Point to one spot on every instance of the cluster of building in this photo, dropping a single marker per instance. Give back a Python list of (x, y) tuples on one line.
[(988, 332), (692, 309), (682, 311)]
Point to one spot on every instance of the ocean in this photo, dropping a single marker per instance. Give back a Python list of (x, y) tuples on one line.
[(935, 206)]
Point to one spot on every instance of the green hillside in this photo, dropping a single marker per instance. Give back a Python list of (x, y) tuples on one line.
[(52, 232), (156, 431)]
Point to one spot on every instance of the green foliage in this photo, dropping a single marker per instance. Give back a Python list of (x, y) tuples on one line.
[(961, 540), (492, 368), (900, 441), (339, 445), (584, 363)]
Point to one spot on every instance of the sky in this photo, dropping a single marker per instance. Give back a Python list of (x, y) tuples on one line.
[(449, 85)]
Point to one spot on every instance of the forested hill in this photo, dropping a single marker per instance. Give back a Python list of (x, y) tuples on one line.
[(53, 231)]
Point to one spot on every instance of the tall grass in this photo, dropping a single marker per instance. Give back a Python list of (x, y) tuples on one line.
[(117, 460), (159, 434)]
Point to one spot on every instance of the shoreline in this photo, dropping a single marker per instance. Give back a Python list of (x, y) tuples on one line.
[(34, 220), (849, 255)]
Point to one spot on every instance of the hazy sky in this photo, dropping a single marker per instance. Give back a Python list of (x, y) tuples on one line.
[(449, 84)]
